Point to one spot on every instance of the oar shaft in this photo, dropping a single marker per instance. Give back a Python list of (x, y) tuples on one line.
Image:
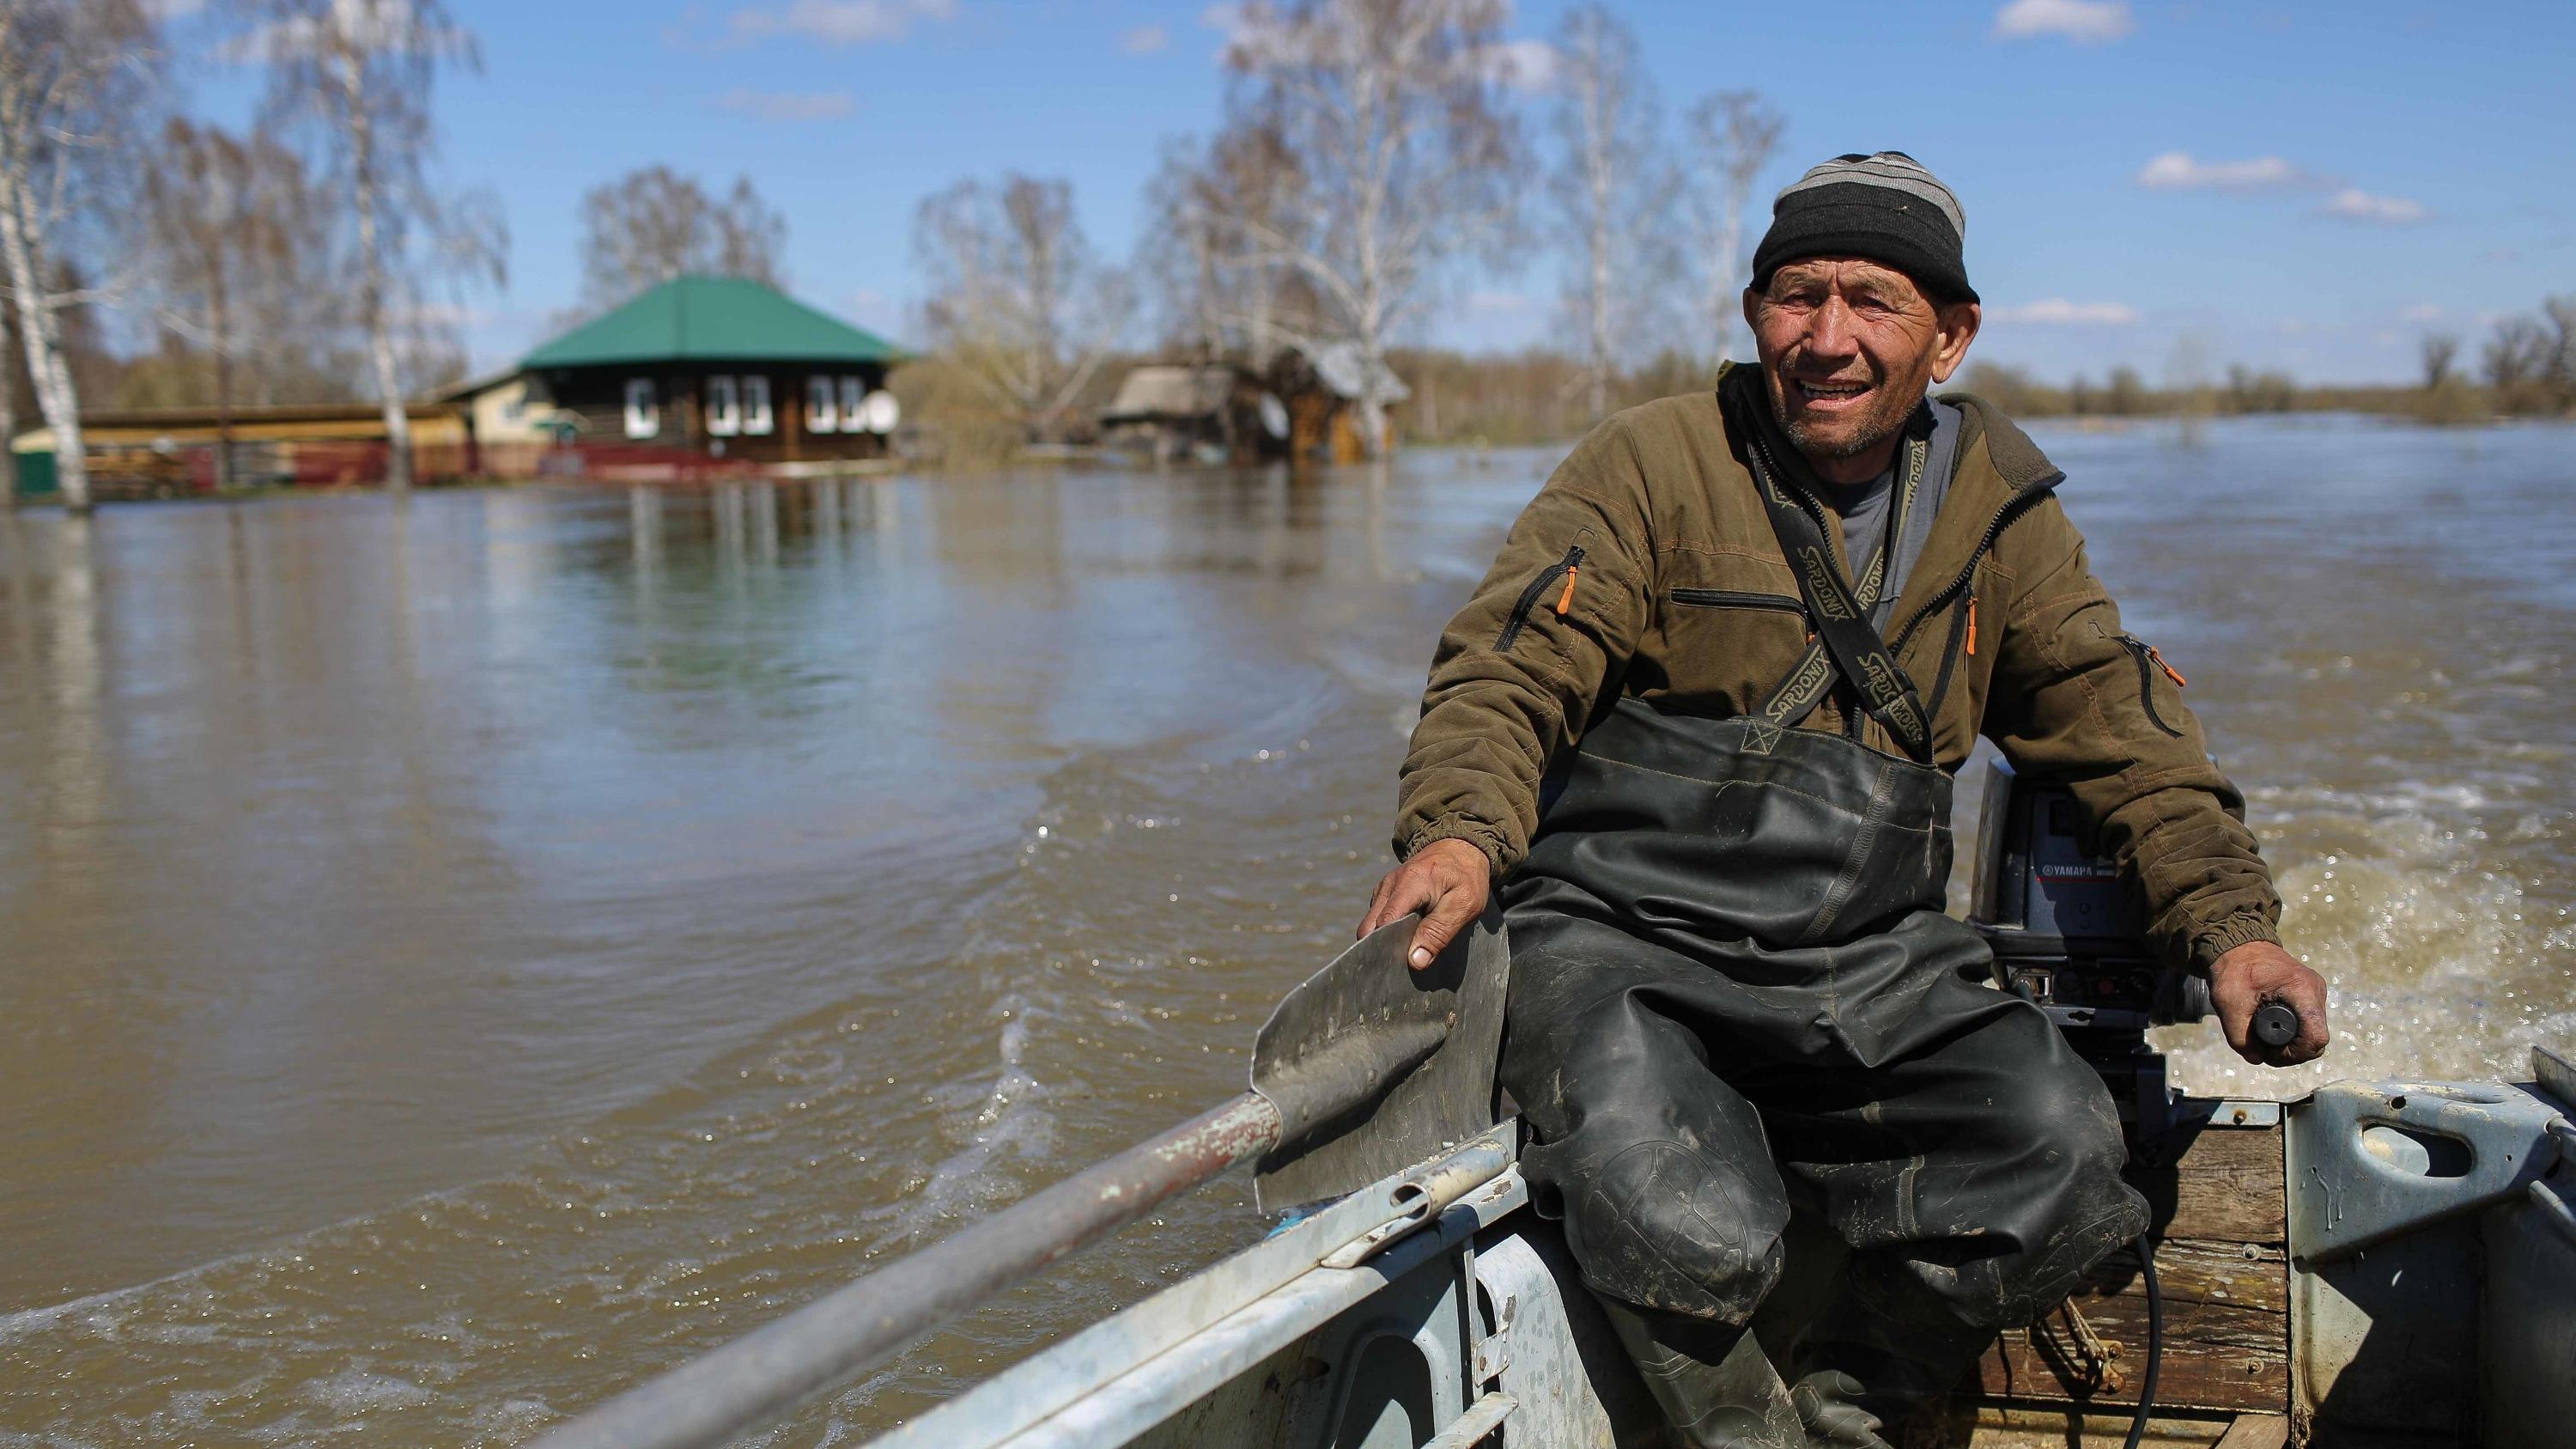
[(772, 1370)]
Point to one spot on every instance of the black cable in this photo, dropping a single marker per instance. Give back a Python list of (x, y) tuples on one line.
[(2155, 1341)]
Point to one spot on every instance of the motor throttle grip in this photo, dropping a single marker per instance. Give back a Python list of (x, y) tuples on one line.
[(2275, 1024)]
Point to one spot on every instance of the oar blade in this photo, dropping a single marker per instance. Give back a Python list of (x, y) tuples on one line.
[(1374, 1066)]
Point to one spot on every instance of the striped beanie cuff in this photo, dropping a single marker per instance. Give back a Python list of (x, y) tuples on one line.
[(1885, 207)]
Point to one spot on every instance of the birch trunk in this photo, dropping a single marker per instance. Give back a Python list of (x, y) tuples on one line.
[(1600, 176), (219, 315), (371, 270), (41, 334), (1601, 297), (8, 426), (1722, 303)]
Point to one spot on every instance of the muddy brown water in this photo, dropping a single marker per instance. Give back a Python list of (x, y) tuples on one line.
[(458, 958)]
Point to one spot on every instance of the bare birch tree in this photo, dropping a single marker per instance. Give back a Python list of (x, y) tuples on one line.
[(1223, 297), (73, 74), (2558, 365), (1612, 191), (654, 224), (1181, 251), (1731, 136), (1393, 112), (362, 72), (1017, 302), (238, 241), (2516, 354), (2437, 351)]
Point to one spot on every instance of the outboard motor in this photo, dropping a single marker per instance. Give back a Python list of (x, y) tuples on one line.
[(2069, 936)]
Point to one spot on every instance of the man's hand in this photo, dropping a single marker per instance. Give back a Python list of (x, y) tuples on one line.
[(2245, 978), (1447, 880)]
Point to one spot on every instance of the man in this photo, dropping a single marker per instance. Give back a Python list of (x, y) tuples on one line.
[(1697, 728)]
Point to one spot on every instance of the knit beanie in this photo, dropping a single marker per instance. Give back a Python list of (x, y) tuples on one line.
[(1887, 208)]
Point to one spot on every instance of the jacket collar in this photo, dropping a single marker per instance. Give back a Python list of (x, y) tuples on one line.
[(1996, 460)]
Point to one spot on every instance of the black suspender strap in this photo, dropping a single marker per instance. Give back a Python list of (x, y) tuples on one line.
[(1846, 641)]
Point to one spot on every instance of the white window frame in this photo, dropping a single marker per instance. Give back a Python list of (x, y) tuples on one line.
[(854, 396), (757, 418), (724, 407), (820, 416), (643, 409)]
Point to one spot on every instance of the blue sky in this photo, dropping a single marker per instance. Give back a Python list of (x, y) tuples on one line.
[(2336, 178)]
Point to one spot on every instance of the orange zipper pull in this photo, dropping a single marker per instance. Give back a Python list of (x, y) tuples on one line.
[(1972, 626), (1565, 601), (2170, 672)]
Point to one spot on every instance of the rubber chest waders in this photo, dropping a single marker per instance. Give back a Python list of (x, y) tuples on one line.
[(1735, 991)]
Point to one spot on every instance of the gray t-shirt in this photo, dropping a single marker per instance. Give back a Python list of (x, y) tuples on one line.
[(1861, 508)]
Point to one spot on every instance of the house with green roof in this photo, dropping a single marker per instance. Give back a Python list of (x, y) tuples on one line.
[(707, 366)]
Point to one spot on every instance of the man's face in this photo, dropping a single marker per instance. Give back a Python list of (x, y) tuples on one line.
[(1848, 347)]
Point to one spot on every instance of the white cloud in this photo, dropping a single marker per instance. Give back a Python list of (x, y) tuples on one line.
[(1234, 24), (2179, 169), (2059, 312), (787, 105), (2086, 22), (2354, 204), (1527, 66), (2422, 312), (1144, 40), (873, 310), (839, 22)]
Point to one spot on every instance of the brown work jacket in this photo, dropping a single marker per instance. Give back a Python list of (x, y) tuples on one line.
[(1646, 566)]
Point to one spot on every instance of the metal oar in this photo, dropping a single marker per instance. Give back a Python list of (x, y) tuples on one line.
[(1365, 1068)]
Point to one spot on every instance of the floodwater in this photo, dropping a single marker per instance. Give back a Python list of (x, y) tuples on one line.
[(458, 958)]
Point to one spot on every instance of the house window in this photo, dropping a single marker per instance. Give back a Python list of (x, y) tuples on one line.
[(756, 419), (724, 408), (643, 413), (819, 414), (854, 393)]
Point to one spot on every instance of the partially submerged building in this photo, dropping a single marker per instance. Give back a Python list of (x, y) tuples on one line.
[(697, 375), (1324, 389), (1214, 412), (1305, 407), (165, 452), (716, 367)]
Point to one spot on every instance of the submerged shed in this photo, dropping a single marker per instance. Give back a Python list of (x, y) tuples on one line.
[(1215, 411), (1323, 387)]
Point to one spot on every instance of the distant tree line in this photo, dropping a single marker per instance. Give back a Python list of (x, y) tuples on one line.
[(2526, 368)]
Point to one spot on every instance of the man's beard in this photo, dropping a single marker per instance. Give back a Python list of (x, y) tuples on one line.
[(1885, 419), (1816, 447)]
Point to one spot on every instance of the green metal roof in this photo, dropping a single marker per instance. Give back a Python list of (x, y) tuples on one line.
[(712, 319)]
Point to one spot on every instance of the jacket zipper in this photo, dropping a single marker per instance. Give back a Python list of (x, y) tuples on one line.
[(2013, 508), (1735, 599), (1563, 569), (2149, 661)]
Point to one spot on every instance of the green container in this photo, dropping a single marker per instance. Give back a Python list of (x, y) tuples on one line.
[(36, 473)]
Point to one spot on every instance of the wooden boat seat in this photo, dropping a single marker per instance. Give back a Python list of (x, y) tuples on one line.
[(2220, 1234)]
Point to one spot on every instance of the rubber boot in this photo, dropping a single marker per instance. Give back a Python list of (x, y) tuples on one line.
[(1828, 1405), (1714, 1383), (1867, 1365)]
